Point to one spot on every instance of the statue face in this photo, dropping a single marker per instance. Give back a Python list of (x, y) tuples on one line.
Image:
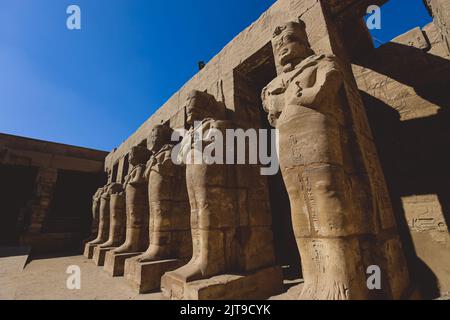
[(139, 155), (193, 110), (289, 47), (116, 188), (157, 139)]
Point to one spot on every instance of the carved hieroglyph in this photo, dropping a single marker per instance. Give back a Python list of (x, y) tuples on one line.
[(103, 199), (136, 203), (117, 216), (304, 104), (169, 222)]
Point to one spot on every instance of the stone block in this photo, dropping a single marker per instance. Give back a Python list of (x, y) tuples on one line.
[(115, 262), (99, 255), (146, 277), (89, 250), (258, 285)]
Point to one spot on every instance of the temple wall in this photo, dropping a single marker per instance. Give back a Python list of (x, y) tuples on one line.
[(440, 10), (404, 85), (46, 192), (403, 88), (217, 76)]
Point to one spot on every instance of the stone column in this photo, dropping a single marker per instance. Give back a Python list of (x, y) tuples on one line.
[(88, 247), (232, 257), (169, 228), (40, 204), (117, 223), (440, 11), (137, 214), (136, 191), (341, 212)]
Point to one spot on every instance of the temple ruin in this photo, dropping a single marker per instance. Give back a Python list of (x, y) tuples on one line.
[(363, 179)]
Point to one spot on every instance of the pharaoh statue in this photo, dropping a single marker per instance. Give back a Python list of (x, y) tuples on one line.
[(136, 203), (96, 208), (169, 227), (103, 216), (100, 221), (117, 216), (213, 209), (304, 104)]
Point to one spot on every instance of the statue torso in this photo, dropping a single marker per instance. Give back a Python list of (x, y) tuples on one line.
[(283, 96)]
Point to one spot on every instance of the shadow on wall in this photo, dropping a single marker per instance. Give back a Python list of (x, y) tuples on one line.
[(414, 153), (16, 189)]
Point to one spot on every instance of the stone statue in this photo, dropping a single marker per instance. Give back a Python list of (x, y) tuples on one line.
[(169, 226), (96, 205), (117, 216), (136, 203), (212, 201), (103, 215), (100, 218), (304, 104)]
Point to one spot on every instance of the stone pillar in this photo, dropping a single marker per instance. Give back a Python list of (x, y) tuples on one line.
[(40, 203), (103, 227), (89, 248), (117, 223), (440, 11), (233, 257), (137, 212), (169, 227), (341, 210)]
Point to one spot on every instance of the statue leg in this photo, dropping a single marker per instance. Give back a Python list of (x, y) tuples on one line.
[(160, 240), (207, 240), (137, 231), (103, 227), (323, 219), (112, 226)]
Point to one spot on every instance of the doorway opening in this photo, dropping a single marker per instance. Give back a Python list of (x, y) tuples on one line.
[(71, 207), (16, 191)]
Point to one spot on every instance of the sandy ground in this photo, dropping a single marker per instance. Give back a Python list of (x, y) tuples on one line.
[(45, 279)]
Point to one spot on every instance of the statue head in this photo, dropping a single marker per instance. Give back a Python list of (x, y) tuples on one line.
[(139, 155), (97, 194), (116, 188), (160, 136), (109, 175), (290, 43), (201, 105)]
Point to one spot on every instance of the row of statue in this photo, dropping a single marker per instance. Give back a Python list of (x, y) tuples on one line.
[(149, 213)]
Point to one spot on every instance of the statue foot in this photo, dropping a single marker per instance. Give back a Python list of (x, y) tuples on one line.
[(125, 249), (154, 253), (332, 290), (192, 271), (96, 242), (108, 244), (147, 258)]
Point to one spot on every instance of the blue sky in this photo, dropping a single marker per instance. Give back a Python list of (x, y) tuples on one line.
[(95, 87)]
